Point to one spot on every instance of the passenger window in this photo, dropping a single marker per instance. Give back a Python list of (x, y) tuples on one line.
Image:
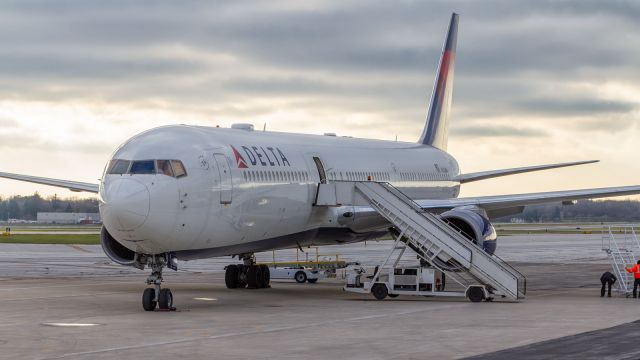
[(178, 168), (143, 167), (119, 167), (164, 167)]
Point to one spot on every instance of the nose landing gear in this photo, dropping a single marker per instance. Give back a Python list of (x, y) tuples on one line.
[(156, 296), (248, 274)]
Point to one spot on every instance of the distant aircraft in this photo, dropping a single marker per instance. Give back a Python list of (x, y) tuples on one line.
[(192, 192)]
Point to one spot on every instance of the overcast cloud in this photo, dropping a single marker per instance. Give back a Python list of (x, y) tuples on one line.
[(535, 82)]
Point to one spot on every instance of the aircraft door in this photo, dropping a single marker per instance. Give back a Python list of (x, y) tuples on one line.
[(321, 172), (224, 173)]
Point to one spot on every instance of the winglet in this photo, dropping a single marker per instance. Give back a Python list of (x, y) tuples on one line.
[(436, 129)]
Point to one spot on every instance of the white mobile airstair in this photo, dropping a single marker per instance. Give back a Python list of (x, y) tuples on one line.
[(435, 240), (623, 249)]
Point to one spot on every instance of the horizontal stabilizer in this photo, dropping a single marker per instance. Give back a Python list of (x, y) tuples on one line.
[(71, 185), (465, 178)]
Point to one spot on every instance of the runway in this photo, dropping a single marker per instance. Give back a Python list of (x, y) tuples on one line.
[(69, 302)]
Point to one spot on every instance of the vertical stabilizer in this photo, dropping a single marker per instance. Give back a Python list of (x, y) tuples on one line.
[(436, 129)]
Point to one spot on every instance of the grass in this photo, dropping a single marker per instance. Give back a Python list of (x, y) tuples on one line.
[(74, 239)]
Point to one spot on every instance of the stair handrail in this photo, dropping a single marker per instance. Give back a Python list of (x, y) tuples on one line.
[(635, 237), (452, 225)]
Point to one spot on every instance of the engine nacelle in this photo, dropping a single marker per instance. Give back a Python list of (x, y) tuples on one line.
[(475, 226), (115, 251)]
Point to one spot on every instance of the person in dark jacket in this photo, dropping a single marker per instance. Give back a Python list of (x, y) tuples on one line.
[(607, 279)]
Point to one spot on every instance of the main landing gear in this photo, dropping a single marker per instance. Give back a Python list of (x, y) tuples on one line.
[(155, 296), (247, 275)]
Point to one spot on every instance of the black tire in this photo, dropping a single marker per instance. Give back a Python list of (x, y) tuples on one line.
[(148, 299), (475, 294), (300, 277), (260, 284), (393, 295), (266, 275), (312, 281), (231, 276), (379, 291), (251, 277), (242, 275), (165, 299)]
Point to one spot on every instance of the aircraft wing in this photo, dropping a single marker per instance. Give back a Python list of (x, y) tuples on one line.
[(499, 204), (465, 178), (71, 185)]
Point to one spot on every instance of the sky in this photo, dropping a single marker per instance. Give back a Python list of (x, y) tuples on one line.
[(535, 82)]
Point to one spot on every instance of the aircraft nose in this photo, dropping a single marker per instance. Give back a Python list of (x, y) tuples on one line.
[(126, 204)]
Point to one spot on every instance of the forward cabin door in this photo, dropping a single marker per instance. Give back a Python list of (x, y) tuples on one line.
[(224, 173), (320, 167)]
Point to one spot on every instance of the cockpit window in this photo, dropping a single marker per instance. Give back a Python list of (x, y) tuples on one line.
[(173, 168), (118, 167), (164, 167), (143, 167), (178, 168)]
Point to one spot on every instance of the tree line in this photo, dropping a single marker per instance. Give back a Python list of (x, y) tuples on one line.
[(581, 211), (28, 207)]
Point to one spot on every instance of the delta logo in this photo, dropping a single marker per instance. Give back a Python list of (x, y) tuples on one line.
[(260, 156), (239, 159)]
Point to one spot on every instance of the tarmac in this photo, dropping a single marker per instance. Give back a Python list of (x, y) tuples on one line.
[(70, 302)]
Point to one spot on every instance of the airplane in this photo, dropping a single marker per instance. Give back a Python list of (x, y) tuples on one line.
[(192, 192)]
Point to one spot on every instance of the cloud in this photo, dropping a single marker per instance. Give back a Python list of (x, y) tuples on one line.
[(497, 131), (356, 67)]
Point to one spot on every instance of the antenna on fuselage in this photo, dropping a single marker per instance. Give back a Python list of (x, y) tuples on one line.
[(264, 128)]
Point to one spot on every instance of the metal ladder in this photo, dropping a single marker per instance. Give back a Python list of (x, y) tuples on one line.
[(623, 251), (442, 245)]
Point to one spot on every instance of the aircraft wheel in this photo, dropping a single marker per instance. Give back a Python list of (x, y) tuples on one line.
[(393, 295), (379, 291), (251, 277), (300, 277), (165, 299), (266, 276), (242, 272), (259, 277), (312, 281), (148, 299), (231, 276), (475, 294)]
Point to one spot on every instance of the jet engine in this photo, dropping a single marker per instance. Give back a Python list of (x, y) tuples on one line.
[(475, 226), (115, 251)]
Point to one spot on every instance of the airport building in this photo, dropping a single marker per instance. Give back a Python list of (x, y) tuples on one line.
[(67, 218)]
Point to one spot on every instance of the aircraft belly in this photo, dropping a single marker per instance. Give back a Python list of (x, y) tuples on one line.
[(320, 236)]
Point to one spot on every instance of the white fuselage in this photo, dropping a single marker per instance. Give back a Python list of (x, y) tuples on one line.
[(251, 191)]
